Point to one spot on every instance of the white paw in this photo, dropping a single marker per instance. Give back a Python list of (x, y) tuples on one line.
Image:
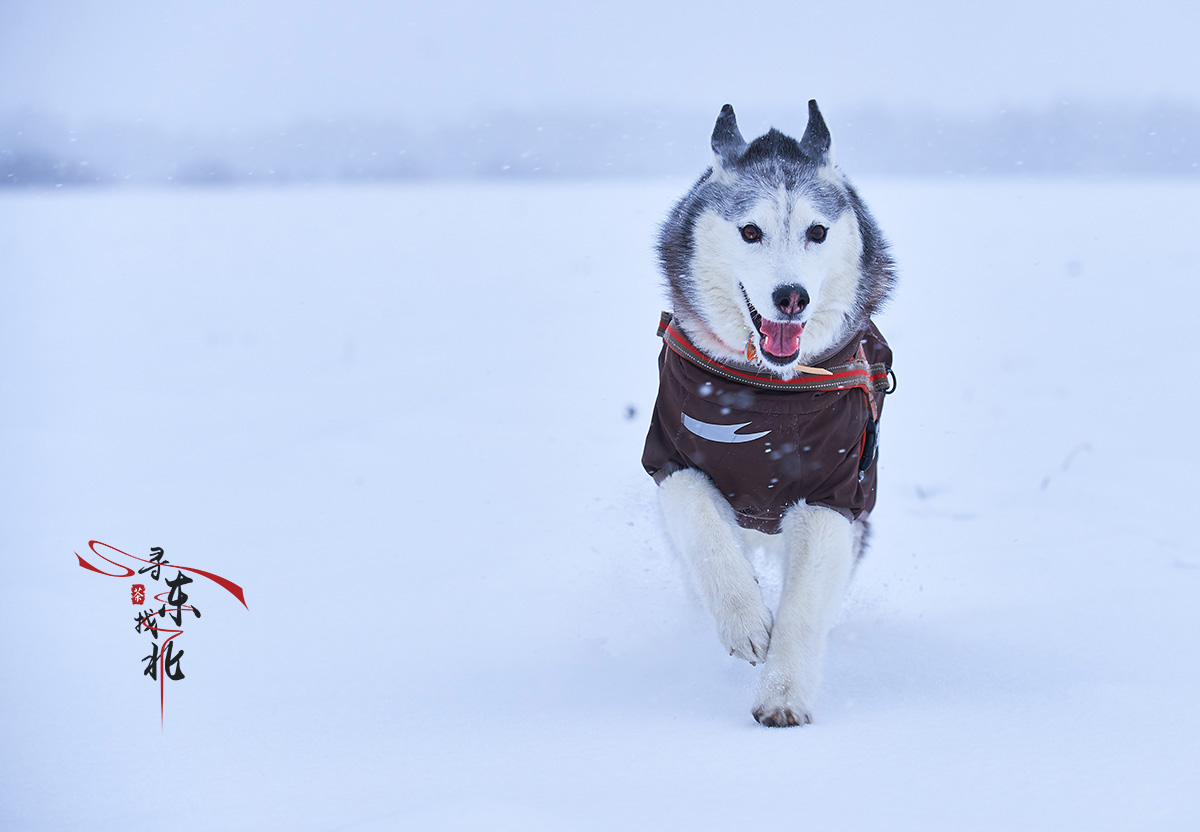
[(745, 628), (781, 705), (783, 716)]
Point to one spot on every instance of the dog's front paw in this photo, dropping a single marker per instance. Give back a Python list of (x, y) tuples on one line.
[(745, 629), (782, 705), (781, 717)]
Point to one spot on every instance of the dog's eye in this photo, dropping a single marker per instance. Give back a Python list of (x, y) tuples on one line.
[(751, 233), (816, 233)]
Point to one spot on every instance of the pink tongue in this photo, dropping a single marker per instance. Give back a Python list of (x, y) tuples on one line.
[(781, 339)]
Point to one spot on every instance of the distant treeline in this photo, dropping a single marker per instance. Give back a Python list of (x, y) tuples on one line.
[(1069, 139)]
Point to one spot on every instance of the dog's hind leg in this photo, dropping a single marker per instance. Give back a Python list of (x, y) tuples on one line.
[(819, 545), (703, 528)]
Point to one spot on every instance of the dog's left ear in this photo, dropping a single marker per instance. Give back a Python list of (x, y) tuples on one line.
[(727, 142), (816, 141)]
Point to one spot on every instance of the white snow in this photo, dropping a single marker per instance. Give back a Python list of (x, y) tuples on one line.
[(398, 418)]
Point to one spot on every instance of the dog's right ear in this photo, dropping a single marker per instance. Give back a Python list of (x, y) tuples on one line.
[(727, 142), (816, 143)]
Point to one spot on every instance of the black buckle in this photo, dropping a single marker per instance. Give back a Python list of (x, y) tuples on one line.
[(892, 389), (870, 448)]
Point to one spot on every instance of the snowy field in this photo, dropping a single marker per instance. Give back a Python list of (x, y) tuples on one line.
[(408, 421)]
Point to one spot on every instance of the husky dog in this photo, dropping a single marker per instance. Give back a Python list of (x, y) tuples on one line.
[(771, 383)]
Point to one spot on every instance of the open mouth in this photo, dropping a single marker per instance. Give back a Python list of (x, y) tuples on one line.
[(780, 340)]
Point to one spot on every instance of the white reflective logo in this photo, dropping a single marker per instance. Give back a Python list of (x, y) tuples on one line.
[(720, 433)]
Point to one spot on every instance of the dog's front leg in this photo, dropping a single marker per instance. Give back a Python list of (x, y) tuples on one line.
[(820, 558), (704, 530)]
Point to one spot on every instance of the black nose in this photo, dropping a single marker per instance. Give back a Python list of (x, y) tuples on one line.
[(790, 299)]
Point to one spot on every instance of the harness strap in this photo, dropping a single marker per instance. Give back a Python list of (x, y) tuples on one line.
[(870, 378)]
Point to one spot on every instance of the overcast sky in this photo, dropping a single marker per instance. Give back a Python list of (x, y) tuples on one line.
[(240, 63)]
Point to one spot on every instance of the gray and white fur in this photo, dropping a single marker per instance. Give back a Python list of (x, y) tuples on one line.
[(771, 244)]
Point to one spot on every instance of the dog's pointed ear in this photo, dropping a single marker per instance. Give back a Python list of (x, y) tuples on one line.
[(816, 142), (727, 142)]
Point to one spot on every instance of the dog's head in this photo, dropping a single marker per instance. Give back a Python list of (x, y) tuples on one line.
[(772, 258)]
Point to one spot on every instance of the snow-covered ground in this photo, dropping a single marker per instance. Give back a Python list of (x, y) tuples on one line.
[(408, 422)]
